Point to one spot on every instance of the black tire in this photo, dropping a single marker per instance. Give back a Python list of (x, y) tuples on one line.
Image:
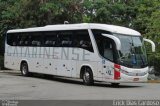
[(24, 69), (115, 84), (88, 76)]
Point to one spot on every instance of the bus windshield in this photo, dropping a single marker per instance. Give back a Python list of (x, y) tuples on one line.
[(132, 53)]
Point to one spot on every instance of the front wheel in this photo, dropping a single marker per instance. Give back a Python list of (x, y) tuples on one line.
[(24, 69), (88, 77)]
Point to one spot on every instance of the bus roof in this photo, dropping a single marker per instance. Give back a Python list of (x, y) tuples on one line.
[(110, 28)]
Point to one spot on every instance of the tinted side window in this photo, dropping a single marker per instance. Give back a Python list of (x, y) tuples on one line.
[(50, 39), (106, 46), (65, 38), (36, 38), (12, 39), (99, 38), (82, 40), (23, 39), (72, 38)]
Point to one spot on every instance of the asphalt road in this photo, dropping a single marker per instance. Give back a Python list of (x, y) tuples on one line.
[(15, 86)]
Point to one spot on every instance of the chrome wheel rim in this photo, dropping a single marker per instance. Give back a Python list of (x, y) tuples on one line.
[(24, 70), (86, 77)]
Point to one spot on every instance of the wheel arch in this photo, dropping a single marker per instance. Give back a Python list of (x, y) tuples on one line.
[(82, 69)]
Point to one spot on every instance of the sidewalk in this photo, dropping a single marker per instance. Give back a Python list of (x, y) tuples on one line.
[(153, 81), (9, 71)]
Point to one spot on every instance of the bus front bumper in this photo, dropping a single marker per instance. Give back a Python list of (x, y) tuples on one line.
[(126, 78)]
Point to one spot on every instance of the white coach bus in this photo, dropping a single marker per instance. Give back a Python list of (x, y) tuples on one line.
[(92, 52)]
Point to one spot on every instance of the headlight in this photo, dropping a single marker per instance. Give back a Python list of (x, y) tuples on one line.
[(133, 74)]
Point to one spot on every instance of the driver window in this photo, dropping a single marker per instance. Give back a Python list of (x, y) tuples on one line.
[(108, 50), (105, 45)]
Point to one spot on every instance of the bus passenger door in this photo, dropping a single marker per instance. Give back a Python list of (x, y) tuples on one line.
[(108, 70), (108, 61), (105, 70), (100, 72)]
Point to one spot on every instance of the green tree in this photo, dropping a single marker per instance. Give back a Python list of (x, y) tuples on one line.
[(118, 12)]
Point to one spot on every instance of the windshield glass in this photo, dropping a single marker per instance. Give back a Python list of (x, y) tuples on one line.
[(132, 53)]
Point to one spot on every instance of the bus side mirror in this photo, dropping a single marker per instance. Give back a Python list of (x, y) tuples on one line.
[(152, 44), (116, 40)]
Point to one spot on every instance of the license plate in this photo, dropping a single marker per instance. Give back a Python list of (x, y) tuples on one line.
[(136, 79)]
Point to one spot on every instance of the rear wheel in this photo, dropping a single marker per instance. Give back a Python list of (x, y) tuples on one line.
[(88, 76), (24, 69)]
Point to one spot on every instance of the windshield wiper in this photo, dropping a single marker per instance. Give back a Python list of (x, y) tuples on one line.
[(133, 59), (142, 60)]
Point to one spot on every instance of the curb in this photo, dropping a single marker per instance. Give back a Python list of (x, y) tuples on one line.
[(9, 71), (153, 81)]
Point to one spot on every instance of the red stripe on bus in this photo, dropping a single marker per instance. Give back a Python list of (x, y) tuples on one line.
[(116, 71)]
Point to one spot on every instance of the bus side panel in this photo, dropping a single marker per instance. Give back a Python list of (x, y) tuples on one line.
[(49, 66), (87, 59), (12, 58), (91, 64), (11, 62)]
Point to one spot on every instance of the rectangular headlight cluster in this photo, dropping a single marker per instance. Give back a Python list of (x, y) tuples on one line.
[(133, 74)]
